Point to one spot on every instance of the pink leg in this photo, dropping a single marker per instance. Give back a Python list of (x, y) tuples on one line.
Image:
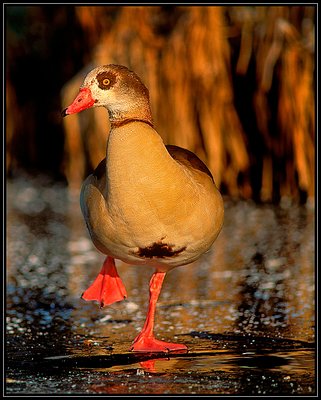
[(107, 287), (146, 341)]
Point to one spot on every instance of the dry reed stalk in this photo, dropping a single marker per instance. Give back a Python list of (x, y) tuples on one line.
[(283, 51), (177, 115), (219, 128), (296, 111)]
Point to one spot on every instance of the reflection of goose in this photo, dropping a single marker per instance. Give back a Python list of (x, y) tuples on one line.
[(146, 203), (148, 365)]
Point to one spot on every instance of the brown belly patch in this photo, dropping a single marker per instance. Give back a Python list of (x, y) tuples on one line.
[(158, 250)]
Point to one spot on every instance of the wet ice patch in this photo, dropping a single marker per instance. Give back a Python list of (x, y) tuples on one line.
[(80, 245), (131, 306), (274, 263)]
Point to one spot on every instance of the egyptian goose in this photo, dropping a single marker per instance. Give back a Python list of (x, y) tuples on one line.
[(145, 203)]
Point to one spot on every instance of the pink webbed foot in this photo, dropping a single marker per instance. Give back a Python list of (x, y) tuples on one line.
[(152, 345), (107, 287)]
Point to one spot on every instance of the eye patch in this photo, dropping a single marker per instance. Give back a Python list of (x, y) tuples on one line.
[(106, 80)]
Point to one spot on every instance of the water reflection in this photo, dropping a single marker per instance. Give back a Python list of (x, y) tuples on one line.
[(253, 288), (263, 306)]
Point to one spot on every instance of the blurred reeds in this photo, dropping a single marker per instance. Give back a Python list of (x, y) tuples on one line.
[(234, 84)]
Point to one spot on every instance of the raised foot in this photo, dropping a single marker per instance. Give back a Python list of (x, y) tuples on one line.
[(152, 345), (107, 287)]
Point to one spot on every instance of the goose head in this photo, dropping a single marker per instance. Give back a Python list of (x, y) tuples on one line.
[(117, 89)]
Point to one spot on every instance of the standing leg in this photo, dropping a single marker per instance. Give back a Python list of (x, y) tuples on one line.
[(146, 341), (107, 287)]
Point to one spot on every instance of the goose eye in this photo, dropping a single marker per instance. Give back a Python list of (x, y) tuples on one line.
[(105, 80)]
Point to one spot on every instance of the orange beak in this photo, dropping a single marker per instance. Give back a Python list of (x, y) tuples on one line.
[(83, 101)]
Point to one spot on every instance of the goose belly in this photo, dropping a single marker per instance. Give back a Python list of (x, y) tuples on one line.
[(138, 231)]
